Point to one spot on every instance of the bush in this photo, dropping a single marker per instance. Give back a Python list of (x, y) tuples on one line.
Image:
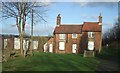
[(111, 52)]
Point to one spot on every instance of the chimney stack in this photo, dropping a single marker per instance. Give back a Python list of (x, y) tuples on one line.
[(100, 18), (58, 20)]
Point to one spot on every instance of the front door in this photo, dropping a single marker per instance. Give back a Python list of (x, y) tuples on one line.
[(74, 48), (50, 48)]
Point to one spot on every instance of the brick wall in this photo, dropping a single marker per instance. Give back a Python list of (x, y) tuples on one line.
[(68, 43), (98, 41)]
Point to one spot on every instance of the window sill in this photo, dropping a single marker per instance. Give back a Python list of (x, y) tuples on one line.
[(62, 40)]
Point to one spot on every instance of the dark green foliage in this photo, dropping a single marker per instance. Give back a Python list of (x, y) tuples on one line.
[(110, 53)]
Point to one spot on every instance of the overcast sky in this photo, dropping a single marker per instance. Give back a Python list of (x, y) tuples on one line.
[(71, 13)]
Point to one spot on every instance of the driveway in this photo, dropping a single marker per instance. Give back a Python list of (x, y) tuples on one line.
[(108, 65)]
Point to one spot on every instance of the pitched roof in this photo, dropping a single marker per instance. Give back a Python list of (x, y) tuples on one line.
[(50, 40), (71, 28), (91, 26)]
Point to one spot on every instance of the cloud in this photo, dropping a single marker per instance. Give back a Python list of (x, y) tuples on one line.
[(108, 24), (28, 0), (44, 30), (95, 0), (43, 3), (37, 31), (13, 26), (60, 0), (98, 4), (116, 18), (9, 31), (89, 17)]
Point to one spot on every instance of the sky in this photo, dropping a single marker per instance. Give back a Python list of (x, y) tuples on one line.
[(71, 13)]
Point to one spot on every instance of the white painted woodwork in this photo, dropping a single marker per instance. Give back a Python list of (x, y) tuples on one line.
[(35, 44), (5, 43), (61, 46), (90, 45), (16, 43), (50, 48), (45, 47), (74, 48)]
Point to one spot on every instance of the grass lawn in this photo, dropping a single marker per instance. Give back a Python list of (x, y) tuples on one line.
[(0, 67), (51, 62)]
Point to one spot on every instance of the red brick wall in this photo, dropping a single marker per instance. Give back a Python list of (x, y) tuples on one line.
[(57, 45), (10, 43), (98, 41), (68, 43), (81, 41), (84, 42)]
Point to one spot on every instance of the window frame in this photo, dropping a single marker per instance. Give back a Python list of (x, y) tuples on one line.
[(74, 36), (75, 46), (63, 47), (91, 43), (91, 34), (62, 36)]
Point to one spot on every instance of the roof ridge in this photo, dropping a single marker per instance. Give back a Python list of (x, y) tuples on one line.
[(71, 24), (91, 22)]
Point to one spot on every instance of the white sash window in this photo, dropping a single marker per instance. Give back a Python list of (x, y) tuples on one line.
[(91, 34), (90, 45), (74, 35), (61, 46), (62, 36)]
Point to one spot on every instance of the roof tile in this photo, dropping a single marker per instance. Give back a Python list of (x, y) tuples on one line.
[(68, 29), (91, 26)]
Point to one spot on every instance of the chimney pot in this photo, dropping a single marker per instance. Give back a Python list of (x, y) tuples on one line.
[(58, 20), (100, 18)]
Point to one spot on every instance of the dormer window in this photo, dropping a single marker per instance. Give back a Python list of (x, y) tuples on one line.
[(91, 34), (62, 36), (74, 35)]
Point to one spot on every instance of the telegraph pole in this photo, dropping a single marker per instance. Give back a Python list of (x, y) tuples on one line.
[(31, 48)]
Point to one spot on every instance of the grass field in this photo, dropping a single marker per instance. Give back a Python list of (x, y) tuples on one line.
[(51, 62), (0, 67)]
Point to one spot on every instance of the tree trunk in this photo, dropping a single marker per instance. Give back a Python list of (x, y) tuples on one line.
[(21, 44), (31, 47)]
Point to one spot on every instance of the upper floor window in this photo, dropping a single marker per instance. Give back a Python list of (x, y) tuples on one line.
[(91, 34), (62, 36), (74, 35)]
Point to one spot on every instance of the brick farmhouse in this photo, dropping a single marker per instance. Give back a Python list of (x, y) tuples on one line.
[(75, 38)]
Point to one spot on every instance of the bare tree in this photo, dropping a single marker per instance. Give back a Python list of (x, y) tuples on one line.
[(20, 11), (113, 35)]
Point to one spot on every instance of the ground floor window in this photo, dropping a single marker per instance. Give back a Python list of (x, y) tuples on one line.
[(90, 45), (50, 48), (61, 45), (16, 43), (5, 43), (35, 44), (74, 48)]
